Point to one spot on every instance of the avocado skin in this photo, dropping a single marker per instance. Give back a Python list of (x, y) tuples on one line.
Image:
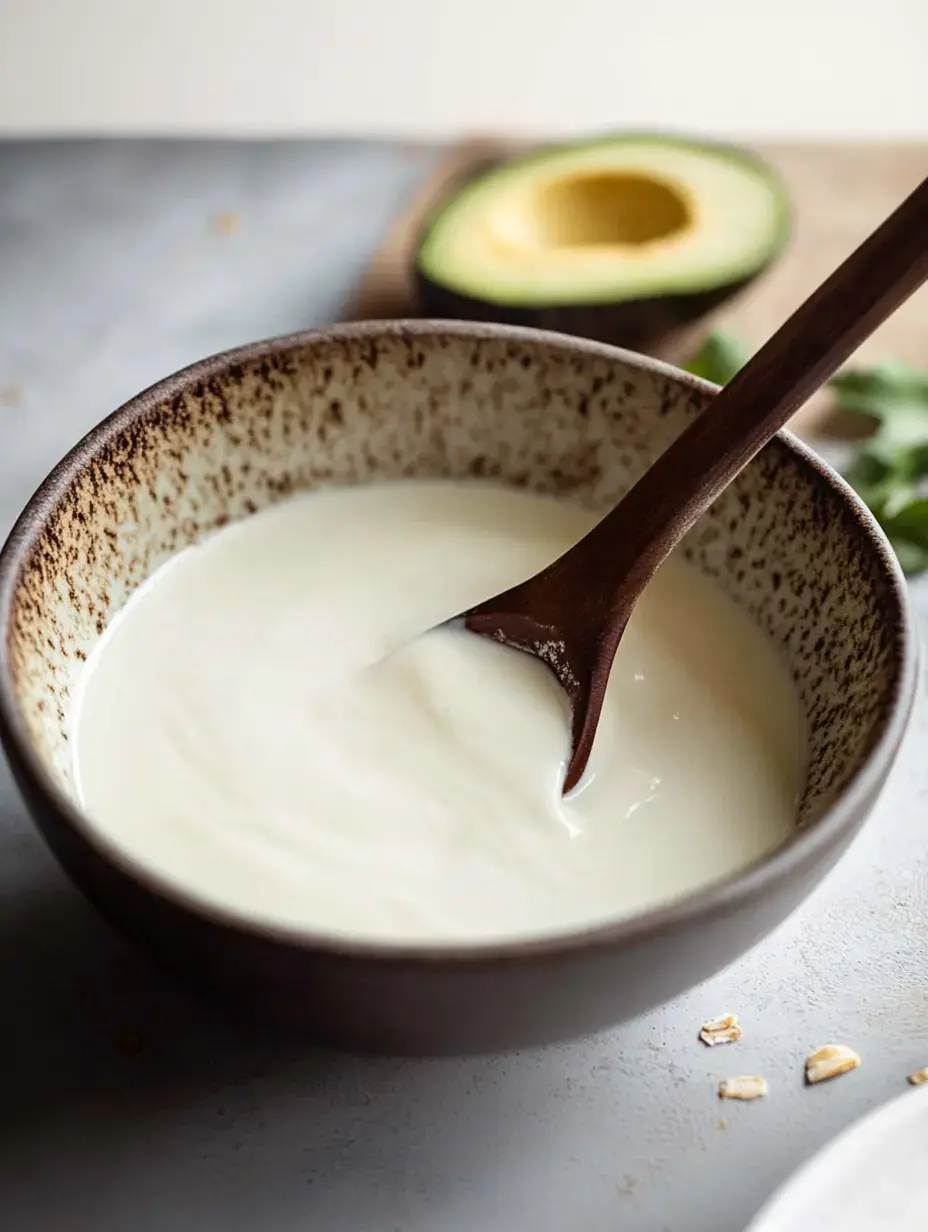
[(632, 323)]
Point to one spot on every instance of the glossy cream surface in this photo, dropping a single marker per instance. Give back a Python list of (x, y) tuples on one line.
[(270, 725)]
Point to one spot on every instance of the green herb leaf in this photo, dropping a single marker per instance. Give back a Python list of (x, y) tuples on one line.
[(895, 395), (889, 470), (719, 358), (907, 530), (880, 390)]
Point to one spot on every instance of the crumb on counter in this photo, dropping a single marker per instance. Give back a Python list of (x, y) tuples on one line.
[(723, 1030), (227, 223), (750, 1086), (829, 1062)]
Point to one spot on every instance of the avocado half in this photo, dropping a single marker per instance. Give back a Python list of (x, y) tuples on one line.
[(618, 239)]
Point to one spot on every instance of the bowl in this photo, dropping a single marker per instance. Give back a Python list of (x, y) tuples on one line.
[(788, 541), (871, 1175)]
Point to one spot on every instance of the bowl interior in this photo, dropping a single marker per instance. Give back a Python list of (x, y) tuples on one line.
[(233, 434)]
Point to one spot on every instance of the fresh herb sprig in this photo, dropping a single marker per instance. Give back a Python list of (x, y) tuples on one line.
[(889, 468)]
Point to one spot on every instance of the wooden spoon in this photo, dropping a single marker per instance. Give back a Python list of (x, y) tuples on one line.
[(573, 613)]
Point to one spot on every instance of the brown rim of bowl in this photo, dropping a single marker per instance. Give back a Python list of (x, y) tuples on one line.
[(718, 899)]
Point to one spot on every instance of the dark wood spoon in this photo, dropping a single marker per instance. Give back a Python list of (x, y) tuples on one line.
[(573, 613)]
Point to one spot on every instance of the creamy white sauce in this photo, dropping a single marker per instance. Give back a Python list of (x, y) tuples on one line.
[(265, 725)]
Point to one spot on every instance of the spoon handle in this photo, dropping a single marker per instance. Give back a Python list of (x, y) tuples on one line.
[(573, 613), (799, 358)]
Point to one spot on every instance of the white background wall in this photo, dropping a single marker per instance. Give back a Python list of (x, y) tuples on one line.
[(817, 67)]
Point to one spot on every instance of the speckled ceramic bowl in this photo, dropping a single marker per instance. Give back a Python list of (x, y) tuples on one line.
[(788, 540)]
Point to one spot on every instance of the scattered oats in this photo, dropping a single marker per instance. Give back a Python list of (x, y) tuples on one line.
[(829, 1062), (724, 1030), (918, 1078), (723, 1124), (751, 1086), (226, 223)]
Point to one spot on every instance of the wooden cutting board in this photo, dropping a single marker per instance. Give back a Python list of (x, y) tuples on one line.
[(840, 192)]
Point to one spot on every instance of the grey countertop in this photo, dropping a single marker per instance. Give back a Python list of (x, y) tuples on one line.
[(127, 1107)]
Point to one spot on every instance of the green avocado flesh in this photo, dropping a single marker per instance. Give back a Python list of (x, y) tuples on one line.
[(621, 219)]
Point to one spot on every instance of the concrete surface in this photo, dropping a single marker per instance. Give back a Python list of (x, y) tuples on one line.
[(127, 1107)]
